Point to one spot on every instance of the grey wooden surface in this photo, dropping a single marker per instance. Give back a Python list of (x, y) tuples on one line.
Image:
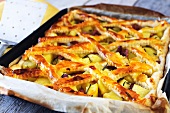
[(10, 104), (162, 6)]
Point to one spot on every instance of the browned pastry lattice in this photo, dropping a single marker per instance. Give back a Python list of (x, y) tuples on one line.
[(90, 55)]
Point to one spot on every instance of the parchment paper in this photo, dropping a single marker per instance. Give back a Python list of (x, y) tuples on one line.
[(70, 103), (63, 102)]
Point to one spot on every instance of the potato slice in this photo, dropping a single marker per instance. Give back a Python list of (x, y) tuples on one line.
[(140, 90), (125, 83), (112, 95), (102, 88), (28, 64), (93, 90), (98, 66), (87, 29), (94, 58), (74, 88), (129, 79), (116, 29), (49, 57), (131, 55), (160, 34), (156, 37), (146, 34), (86, 86), (73, 33), (73, 22), (86, 60), (150, 51), (43, 81)]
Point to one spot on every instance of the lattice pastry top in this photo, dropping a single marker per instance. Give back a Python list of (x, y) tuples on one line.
[(98, 56)]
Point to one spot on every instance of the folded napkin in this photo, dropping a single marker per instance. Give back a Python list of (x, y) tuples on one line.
[(20, 18)]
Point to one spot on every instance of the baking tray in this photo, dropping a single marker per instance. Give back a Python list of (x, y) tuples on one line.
[(124, 12), (118, 11)]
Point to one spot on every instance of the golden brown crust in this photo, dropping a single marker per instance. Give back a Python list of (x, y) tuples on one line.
[(82, 48), (73, 81)]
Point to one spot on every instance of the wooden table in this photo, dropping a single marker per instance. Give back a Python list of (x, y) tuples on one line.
[(10, 104)]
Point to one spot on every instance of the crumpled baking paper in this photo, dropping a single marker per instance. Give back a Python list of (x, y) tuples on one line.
[(59, 101)]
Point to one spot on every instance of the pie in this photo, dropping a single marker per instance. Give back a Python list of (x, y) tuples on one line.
[(98, 56)]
